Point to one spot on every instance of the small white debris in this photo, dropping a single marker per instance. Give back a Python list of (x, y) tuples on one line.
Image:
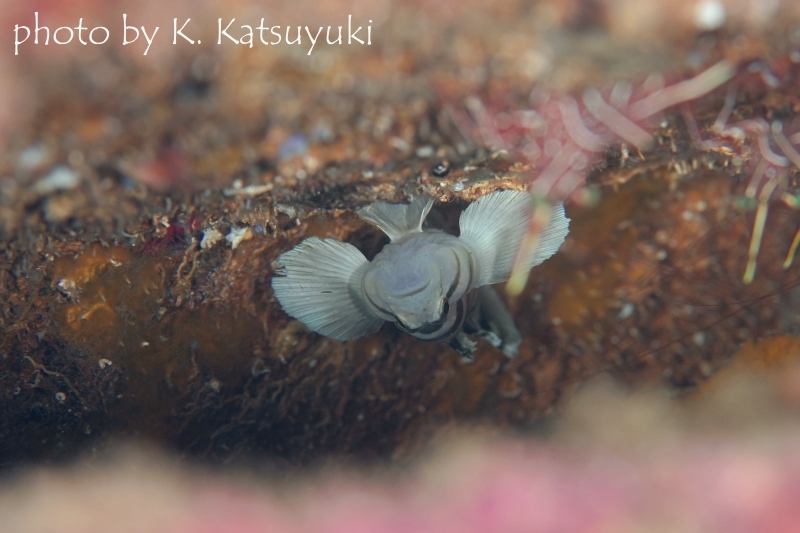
[(250, 190), (237, 235), (311, 163), (60, 178), (400, 144), (425, 151), (214, 384), (287, 210), (626, 311), (709, 15), (458, 186), (210, 237), (68, 288), (145, 344), (31, 157), (104, 363), (60, 397)]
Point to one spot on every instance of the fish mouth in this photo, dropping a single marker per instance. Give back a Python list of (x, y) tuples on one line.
[(426, 329)]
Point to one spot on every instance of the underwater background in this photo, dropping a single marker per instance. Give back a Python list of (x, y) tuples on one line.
[(150, 380)]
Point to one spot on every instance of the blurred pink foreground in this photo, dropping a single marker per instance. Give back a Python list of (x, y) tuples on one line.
[(502, 487), (725, 461)]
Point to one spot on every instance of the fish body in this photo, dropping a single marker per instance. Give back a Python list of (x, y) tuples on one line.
[(413, 281), (433, 285)]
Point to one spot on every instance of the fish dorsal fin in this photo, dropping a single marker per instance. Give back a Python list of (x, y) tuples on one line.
[(493, 227), (398, 220), (319, 284)]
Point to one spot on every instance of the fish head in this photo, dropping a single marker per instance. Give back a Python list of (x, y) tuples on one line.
[(416, 281)]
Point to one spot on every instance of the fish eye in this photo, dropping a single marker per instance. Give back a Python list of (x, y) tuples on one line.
[(446, 307), (441, 169)]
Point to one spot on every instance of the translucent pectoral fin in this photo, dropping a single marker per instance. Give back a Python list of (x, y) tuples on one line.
[(398, 220), (552, 237), (319, 283), (493, 227)]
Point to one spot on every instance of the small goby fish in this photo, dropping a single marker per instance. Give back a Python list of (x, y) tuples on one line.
[(433, 285)]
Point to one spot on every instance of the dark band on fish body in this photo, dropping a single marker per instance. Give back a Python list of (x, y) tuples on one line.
[(456, 278), (460, 316)]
